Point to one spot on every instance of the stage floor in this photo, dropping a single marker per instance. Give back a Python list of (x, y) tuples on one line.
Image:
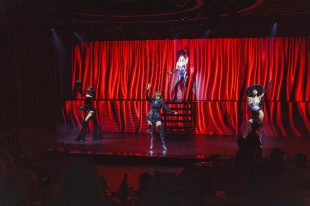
[(194, 147)]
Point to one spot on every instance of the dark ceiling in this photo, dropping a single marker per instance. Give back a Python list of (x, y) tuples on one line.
[(128, 19)]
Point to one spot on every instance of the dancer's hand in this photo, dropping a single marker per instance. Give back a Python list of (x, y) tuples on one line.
[(169, 73), (78, 84), (148, 86), (175, 113)]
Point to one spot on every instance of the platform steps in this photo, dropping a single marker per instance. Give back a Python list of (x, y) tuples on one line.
[(181, 124)]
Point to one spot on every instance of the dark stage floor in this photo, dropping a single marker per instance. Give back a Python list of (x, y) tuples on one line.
[(118, 154), (196, 147)]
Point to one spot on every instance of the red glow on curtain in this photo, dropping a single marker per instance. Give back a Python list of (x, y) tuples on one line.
[(219, 72)]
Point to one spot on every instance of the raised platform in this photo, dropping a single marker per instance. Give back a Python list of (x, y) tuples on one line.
[(126, 147)]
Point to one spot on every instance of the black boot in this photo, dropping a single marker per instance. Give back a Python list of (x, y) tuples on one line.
[(162, 137), (175, 96), (151, 136), (97, 132), (184, 91), (82, 134), (261, 133), (247, 130)]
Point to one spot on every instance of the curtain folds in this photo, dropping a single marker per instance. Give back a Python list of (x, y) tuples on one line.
[(220, 70)]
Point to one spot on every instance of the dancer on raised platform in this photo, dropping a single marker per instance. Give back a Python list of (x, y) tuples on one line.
[(154, 117), (181, 68), (255, 93), (90, 112)]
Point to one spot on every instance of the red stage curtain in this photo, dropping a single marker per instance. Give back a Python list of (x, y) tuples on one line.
[(219, 72)]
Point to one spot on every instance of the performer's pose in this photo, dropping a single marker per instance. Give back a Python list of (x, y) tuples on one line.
[(181, 68), (255, 94), (90, 112), (154, 117)]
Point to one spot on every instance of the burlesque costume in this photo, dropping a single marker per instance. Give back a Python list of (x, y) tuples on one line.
[(154, 116), (182, 76), (255, 107), (87, 108)]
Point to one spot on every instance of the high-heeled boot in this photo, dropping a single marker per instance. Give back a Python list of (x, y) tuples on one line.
[(97, 132), (261, 133), (247, 130), (175, 93), (82, 134), (162, 137), (151, 136)]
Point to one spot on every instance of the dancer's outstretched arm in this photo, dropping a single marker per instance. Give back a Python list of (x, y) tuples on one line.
[(148, 86), (268, 86), (166, 108), (175, 70), (78, 86)]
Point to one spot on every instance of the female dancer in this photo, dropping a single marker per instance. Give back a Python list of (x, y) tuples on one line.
[(154, 116), (90, 112), (255, 94), (181, 67)]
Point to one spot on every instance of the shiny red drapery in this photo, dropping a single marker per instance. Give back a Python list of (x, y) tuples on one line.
[(219, 72)]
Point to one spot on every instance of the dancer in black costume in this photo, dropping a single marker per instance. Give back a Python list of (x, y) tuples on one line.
[(255, 93), (90, 112), (154, 117)]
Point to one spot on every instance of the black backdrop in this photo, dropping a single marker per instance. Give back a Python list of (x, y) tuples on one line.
[(33, 75)]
